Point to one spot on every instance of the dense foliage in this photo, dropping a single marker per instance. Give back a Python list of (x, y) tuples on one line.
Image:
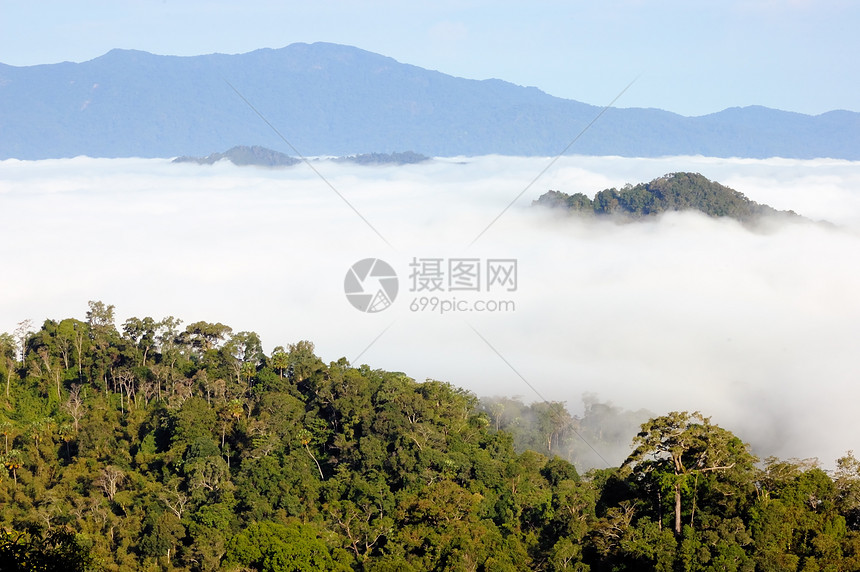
[(157, 447), (672, 192)]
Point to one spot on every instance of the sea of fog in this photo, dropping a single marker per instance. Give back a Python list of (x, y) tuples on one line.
[(759, 329)]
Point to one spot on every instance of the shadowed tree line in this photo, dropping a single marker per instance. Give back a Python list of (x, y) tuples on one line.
[(154, 446)]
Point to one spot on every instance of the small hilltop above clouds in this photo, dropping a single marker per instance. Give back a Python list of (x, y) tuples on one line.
[(243, 155), (335, 100), (671, 192)]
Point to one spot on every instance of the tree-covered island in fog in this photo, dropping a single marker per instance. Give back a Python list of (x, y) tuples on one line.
[(671, 192)]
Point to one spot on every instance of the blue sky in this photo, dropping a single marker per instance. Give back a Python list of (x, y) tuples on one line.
[(692, 58)]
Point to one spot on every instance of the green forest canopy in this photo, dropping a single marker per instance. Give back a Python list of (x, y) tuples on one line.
[(161, 447)]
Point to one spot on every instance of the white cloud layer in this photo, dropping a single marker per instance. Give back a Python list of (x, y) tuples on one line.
[(758, 329)]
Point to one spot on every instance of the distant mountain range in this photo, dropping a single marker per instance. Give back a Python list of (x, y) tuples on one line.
[(329, 99)]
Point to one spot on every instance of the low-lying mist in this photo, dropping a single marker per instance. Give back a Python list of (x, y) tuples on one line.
[(758, 329)]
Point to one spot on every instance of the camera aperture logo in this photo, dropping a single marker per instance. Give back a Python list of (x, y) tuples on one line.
[(440, 285), (370, 285)]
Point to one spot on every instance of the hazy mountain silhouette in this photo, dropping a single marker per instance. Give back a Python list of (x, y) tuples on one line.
[(329, 99)]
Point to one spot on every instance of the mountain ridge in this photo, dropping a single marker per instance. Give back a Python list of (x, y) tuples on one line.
[(329, 99)]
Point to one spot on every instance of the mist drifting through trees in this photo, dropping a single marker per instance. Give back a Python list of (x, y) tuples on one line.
[(679, 313)]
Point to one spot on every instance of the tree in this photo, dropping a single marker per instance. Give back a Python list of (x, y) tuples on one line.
[(109, 480), (363, 524), (303, 362), (7, 359), (168, 337), (553, 422), (607, 201), (280, 360), (680, 447), (56, 551), (7, 428), (203, 336), (161, 535), (848, 484), (273, 547), (22, 333), (79, 334), (12, 461), (305, 437), (74, 405), (142, 333), (100, 315), (244, 352), (105, 338)]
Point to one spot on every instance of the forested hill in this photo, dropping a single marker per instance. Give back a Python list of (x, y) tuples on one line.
[(159, 447), (671, 192)]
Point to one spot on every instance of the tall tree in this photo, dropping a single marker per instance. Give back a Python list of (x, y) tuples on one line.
[(142, 333), (681, 446), (204, 336), (100, 315), (7, 359)]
